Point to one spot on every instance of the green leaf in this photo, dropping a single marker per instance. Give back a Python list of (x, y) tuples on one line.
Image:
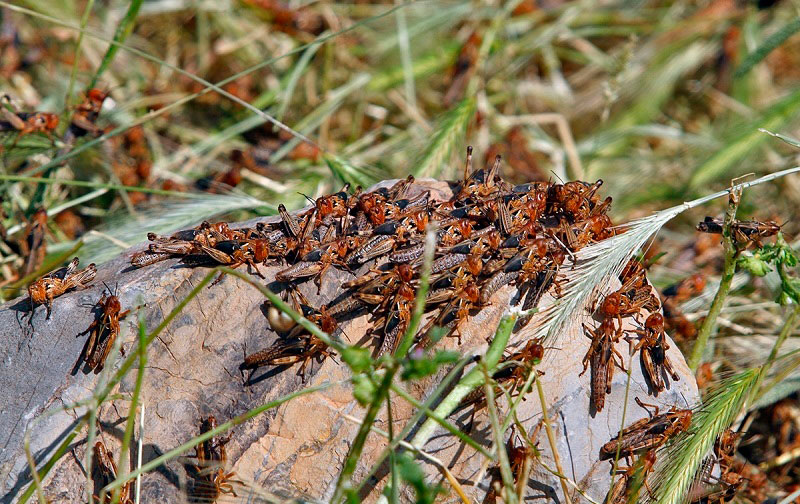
[(417, 367), (753, 264), (791, 286), (412, 474), (357, 359), (364, 389)]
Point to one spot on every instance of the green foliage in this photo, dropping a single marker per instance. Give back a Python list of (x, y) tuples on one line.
[(418, 366), (357, 358), (753, 264), (766, 47), (364, 389), (412, 474), (783, 257)]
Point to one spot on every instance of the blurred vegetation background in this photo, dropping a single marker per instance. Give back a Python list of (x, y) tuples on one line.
[(662, 100)]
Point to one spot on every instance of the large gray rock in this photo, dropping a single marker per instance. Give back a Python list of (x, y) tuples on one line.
[(298, 448)]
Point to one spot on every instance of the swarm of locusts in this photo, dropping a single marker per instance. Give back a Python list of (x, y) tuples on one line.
[(488, 235)]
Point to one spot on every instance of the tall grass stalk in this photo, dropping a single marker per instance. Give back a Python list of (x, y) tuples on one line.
[(552, 440), (452, 429), (728, 270), (395, 480), (412, 422), (124, 29), (87, 11), (220, 429), (344, 481), (719, 165), (122, 462), (37, 481), (101, 394), (767, 46)]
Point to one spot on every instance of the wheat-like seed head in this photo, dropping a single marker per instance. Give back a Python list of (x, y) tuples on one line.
[(595, 265)]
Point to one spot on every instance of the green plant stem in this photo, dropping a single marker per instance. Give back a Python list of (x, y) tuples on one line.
[(785, 371), (95, 185), (37, 482), (156, 462), (501, 453), (87, 11), (472, 380), (350, 463), (394, 491), (441, 421), (58, 160), (622, 422), (124, 29), (415, 418), (344, 482), (728, 270), (787, 328), (100, 396), (122, 462), (552, 440)]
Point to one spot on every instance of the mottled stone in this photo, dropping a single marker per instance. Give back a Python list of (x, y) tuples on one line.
[(296, 449)]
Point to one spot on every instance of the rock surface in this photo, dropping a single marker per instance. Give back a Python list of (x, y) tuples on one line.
[(296, 449)]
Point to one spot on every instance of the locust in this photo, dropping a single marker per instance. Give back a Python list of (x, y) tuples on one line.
[(103, 331), (647, 433), (56, 283)]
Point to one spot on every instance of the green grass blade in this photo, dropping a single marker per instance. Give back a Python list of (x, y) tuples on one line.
[(723, 163), (766, 47), (57, 161), (429, 63), (497, 433), (87, 11), (124, 29), (347, 172), (412, 422), (122, 462), (221, 428), (472, 380), (451, 128), (678, 466), (789, 140), (294, 76)]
